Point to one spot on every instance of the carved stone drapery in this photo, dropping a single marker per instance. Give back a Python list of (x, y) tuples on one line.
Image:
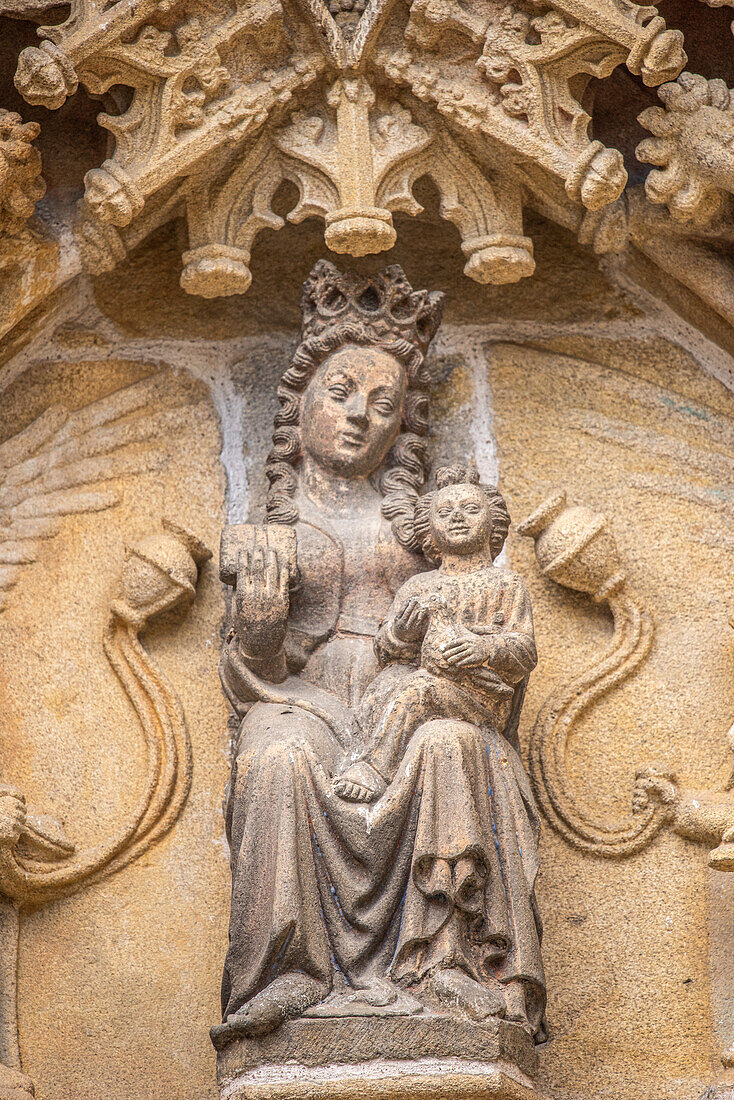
[(383, 838), (229, 101)]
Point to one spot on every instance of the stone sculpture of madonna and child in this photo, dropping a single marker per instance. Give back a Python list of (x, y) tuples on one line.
[(383, 834)]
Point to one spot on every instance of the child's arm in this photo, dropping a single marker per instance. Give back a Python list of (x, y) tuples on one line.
[(506, 646), (401, 633)]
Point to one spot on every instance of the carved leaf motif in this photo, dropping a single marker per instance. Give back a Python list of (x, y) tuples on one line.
[(395, 136)]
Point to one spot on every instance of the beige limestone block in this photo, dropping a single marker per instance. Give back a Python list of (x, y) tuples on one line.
[(635, 429), (118, 984)]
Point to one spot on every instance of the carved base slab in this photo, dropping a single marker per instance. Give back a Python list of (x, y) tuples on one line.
[(430, 1077), (392, 1058)]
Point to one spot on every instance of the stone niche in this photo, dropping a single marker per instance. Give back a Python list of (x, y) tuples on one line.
[(135, 423), (578, 379)]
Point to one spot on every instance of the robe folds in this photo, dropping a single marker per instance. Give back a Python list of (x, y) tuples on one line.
[(439, 871)]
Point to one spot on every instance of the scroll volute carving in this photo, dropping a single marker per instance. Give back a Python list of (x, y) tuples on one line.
[(576, 549)]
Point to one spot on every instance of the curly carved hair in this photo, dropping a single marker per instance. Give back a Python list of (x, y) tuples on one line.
[(459, 475), (406, 466)]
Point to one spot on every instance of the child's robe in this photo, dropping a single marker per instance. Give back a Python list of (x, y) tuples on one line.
[(490, 602)]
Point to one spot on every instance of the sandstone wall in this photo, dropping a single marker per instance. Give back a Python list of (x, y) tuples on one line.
[(575, 380)]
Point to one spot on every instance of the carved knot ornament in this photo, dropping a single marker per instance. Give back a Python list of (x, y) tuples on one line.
[(213, 105)]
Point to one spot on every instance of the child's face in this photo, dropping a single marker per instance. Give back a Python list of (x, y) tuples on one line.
[(461, 521)]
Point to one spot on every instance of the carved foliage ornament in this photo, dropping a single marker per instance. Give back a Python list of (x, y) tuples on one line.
[(350, 101), (21, 185), (692, 147)]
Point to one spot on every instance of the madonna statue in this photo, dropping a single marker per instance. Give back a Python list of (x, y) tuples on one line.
[(360, 888)]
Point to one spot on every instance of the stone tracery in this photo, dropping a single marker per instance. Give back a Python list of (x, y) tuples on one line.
[(229, 101)]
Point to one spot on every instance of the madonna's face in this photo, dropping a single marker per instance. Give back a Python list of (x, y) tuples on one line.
[(352, 410)]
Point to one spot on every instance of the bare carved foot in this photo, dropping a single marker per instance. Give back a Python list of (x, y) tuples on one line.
[(455, 987), (286, 997), (360, 783)]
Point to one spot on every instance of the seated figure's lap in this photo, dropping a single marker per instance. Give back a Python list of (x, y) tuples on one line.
[(446, 734), (274, 737), (274, 731)]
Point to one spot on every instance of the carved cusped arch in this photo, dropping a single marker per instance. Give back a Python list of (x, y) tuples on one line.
[(352, 103)]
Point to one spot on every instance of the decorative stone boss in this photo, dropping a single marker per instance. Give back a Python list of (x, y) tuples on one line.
[(383, 833)]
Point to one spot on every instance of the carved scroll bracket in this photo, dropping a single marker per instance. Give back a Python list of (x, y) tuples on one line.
[(575, 548)]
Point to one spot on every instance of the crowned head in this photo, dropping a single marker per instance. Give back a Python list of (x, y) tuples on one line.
[(355, 398), (385, 305)]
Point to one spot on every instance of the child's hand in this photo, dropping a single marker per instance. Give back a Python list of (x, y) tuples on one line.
[(410, 622), (466, 651)]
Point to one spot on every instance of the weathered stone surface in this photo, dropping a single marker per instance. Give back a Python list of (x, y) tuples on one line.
[(346, 1041), (319, 101), (542, 382), (608, 374)]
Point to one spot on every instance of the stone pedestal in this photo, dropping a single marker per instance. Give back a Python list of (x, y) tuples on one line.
[(393, 1058)]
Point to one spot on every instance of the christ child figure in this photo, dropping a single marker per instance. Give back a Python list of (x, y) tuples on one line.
[(457, 643)]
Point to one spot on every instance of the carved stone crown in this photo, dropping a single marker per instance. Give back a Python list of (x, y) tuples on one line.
[(385, 304)]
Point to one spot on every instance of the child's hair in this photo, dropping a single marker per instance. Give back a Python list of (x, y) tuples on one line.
[(459, 475)]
